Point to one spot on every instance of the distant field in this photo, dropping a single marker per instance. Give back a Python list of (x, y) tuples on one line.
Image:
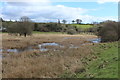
[(82, 26)]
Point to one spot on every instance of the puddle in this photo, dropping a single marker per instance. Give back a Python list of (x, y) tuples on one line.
[(71, 38), (49, 44), (12, 50), (0, 55), (73, 46), (96, 40), (41, 47), (1, 50)]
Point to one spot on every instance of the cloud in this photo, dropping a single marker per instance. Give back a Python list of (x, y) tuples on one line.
[(15, 10), (100, 1), (104, 1), (46, 12), (41, 9), (88, 18)]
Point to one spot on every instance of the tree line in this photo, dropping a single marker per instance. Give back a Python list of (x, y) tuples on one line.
[(107, 30), (25, 26)]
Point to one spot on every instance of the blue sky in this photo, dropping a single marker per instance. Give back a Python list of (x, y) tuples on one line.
[(51, 11), (106, 9)]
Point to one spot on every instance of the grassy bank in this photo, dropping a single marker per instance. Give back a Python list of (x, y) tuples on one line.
[(103, 63)]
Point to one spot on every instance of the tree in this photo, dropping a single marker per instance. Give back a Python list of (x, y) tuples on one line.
[(35, 26), (1, 20), (73, 21), (25, 19), (13, 28), (58, 21), (25, 26), (78, 21), (64, 21)]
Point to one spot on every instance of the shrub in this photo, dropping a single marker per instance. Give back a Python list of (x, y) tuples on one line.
[(24, 27), (13, 28), (108, 31), (109, 36), (71, 31), (48, 27)]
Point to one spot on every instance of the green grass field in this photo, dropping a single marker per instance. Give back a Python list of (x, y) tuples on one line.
[(104, 66), (82, 26)]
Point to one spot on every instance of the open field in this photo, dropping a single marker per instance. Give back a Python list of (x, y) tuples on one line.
[(70, 59), (83, 26)]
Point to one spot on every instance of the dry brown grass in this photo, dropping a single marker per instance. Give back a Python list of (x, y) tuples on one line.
[(22, 42), (49, 64)]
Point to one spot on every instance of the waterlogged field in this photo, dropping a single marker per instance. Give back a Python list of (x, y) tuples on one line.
[(57, 55)]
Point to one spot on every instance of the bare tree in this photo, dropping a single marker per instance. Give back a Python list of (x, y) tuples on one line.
[(25, 26), (58, 21), (25, 19), (78, 21), (64, 21)]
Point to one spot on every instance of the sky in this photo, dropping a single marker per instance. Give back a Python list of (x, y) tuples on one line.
[(51, 11)]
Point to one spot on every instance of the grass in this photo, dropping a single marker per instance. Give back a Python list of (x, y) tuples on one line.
[(102, 64), (86, 61), (12, 41), (82, 26), (37, 32), (2, 32), (37, 64)]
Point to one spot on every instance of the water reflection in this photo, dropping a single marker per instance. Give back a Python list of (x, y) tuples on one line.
[(96, 40), (41, 47)]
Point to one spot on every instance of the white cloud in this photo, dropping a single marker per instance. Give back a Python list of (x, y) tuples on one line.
[(41, 9), (88, 18), (104, 1), (45, 11), (100, 1)]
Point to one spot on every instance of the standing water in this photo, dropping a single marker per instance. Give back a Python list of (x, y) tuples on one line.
[(96, 40), (41, 47)]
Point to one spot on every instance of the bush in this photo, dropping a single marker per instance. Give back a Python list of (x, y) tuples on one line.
[(109, 36), (24, 27), (71, 31), (13, 28), (108, 31), (48, 27)]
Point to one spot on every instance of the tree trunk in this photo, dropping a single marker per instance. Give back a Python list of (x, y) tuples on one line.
[(25, 34)]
